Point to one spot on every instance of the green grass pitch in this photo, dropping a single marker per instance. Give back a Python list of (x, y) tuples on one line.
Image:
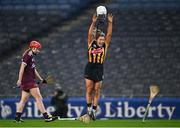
[(93, 124)]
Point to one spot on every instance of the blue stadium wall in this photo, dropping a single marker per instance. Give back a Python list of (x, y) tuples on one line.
[(119, 108)]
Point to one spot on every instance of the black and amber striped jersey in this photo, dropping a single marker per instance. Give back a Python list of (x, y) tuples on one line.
[(96, 54)]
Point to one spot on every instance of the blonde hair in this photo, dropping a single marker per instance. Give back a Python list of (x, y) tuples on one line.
[(99, 33), (26, 51)]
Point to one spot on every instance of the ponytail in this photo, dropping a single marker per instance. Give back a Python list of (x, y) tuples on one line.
[(26, 51)]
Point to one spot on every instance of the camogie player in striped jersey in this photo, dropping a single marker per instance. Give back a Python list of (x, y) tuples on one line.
[(97, 49)]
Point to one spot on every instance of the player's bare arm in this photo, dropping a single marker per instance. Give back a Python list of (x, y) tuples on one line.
[(21, 71), (90, 32), (109, 29), (38, 75)]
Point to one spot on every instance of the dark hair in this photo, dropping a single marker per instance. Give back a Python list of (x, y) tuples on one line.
[(99, 33)]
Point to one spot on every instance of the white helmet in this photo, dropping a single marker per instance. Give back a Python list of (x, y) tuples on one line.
[(101, 10)]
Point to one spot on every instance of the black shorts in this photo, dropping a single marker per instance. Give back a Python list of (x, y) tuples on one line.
[(94, 72)]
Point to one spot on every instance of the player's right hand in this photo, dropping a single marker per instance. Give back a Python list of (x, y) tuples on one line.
[(18, 83), (44, 81)]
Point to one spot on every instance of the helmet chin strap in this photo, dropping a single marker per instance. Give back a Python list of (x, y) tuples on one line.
[(33, 52)]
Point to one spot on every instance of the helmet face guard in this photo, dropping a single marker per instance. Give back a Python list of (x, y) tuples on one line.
[(35, 44), (101, 12), (101, 23), (102, 17)]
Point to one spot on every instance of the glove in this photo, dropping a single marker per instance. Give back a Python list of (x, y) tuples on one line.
[(44, 81)]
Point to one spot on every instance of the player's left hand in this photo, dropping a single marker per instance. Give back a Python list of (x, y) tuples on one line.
[(110, 17)]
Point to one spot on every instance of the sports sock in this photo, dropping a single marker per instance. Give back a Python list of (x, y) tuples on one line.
[(45, 115), (94, 107), (89, 104), (18, 115)]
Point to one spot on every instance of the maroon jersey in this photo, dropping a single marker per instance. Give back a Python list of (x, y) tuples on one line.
[(28, 79)]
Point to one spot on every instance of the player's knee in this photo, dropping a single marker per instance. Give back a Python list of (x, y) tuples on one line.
[(23, 100), (38, 97), (89, 90), (97, 91)]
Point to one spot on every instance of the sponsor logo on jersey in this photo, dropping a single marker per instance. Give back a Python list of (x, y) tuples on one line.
[(97, 51)]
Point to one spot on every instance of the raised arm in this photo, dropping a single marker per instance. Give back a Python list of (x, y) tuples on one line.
[(91, 29), (109, 29), (21, 72)]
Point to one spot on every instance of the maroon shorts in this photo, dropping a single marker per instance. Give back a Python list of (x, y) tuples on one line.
[(28, 86)]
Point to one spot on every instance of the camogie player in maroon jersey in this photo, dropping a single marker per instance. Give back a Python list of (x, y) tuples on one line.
[(27, 75), (97, 49)]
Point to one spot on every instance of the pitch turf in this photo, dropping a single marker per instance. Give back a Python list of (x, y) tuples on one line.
[(98, 123)]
